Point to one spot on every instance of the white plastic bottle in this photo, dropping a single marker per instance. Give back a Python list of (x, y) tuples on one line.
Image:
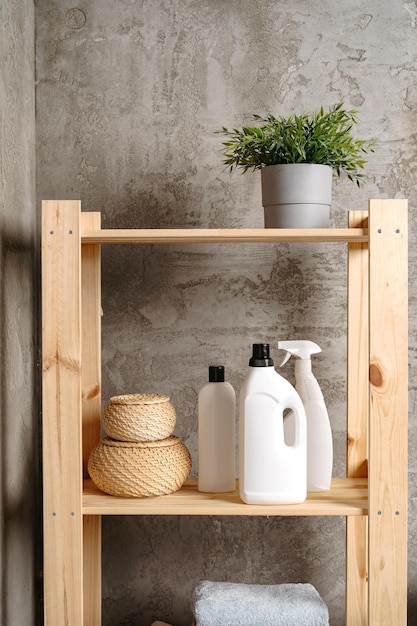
[(319, 433), (272, 470), (216, 433)]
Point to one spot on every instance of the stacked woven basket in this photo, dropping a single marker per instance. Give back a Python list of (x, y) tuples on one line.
[(140, 456)]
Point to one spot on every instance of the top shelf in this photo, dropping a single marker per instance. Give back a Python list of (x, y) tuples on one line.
[(224, 235)]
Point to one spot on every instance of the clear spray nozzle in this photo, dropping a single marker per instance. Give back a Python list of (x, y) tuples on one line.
[(299, 349)]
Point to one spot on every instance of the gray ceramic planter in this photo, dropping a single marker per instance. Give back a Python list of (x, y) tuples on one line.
[(296, 195)]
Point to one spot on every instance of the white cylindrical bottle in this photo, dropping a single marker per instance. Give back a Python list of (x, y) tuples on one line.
[(216, 433), (272, 470), (319, 433)]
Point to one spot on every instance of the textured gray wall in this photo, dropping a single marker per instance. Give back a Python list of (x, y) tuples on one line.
[(19, 466), (129, 95)]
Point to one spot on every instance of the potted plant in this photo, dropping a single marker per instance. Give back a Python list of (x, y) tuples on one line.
[(298, 156)]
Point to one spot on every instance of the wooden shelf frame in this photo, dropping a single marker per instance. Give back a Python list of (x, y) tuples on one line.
[(348, 496), (373, 496)]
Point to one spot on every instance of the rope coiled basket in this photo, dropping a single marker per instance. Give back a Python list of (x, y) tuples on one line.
[(139, 469), (139, 417)]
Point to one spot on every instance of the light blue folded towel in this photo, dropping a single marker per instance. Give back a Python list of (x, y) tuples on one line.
[(237, 604)]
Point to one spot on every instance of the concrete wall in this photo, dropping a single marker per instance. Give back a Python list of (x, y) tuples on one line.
[(129, 95), (19, 466)]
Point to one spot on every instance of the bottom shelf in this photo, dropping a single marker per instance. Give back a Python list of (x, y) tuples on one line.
[(347, 496)]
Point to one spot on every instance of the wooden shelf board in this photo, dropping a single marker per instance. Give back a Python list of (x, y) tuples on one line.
[(224, 235), (348, 496)]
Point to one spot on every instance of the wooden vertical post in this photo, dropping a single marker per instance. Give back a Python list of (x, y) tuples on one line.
[(91, 409), (61, 377), (357, 422), (388, 436), (91, 338)]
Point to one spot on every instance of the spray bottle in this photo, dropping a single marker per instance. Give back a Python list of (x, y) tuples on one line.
[(319, 434), (272, 469)]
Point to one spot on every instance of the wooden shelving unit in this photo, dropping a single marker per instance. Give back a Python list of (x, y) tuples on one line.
[(373, 496)]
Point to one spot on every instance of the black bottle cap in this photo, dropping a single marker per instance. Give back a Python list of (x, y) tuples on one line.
[(260, 356), (216, 373)]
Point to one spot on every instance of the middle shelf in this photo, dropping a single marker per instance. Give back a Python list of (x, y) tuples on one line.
[(347, 496)]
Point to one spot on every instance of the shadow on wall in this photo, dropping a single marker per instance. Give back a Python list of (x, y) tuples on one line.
[(20, 453), (412, 609)]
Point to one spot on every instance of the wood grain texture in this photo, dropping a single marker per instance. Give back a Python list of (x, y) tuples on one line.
[(357, 422), (91, 410), (61, 373), (91, 339), (346, 497), (223, 235), (92, 570), (388, 438)]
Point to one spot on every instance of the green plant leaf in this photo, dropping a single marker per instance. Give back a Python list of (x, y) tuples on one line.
[(322, 137)]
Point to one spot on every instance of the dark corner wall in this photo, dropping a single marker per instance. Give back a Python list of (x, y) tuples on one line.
[(19, 287)]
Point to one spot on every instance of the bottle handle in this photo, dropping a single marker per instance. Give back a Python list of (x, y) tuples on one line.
[(294, 407)]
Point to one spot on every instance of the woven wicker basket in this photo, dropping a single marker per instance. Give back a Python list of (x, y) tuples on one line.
[(138, 469), (139, 417)]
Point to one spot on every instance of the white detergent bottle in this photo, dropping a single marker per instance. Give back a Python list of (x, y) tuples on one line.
[(319, 434), (216, 433), (272, 470)]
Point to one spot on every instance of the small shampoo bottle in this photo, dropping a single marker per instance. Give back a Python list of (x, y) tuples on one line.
[(216, 433)]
